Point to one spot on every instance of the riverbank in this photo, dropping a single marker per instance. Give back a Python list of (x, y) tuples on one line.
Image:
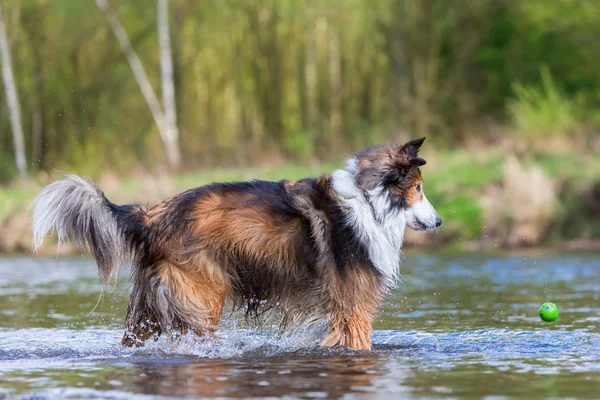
[(486, 199)]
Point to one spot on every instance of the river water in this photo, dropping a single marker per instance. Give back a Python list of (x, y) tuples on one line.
[(458, 326)]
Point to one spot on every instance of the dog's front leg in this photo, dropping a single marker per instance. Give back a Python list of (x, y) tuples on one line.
[(350, 328), (353, 302)]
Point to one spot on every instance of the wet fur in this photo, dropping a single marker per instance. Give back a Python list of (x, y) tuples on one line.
[(319, 248)]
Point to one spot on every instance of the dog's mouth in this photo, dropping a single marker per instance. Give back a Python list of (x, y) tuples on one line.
[(418, 225)]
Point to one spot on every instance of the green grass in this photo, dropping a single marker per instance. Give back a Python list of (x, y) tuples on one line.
[(454, 183), (14, 199), (463, 170), (291, 172), (570, 165), (129, 188), (461, 214)]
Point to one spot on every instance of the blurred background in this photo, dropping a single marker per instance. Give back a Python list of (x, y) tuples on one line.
[(151, 97)]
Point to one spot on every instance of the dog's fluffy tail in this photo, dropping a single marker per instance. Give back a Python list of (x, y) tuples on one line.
[(78, 209)]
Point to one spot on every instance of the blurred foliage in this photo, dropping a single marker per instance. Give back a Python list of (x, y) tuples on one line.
[(580, 211), (456, 182), (542, 110), (297, 79)]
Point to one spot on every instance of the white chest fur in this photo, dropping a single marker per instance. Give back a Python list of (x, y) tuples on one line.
[(379, 228)]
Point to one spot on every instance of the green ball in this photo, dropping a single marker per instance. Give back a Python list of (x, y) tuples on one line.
[(549, 312)]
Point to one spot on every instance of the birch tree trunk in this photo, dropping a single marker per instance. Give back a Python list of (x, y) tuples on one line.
[(143, 82), (37, 113), (37, 121), (12, 99), (310, 77), (335, 77), (168, 86)]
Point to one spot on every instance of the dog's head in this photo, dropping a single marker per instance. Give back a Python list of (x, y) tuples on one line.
[(390, 179)]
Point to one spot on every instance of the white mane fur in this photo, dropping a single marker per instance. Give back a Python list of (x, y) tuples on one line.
[(380, 228)]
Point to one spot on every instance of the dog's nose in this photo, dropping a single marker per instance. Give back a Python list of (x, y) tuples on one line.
[(438, 221)]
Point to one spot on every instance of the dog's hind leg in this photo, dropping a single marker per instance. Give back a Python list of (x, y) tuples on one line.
[(174, 299), (146, 327), (196, 294)]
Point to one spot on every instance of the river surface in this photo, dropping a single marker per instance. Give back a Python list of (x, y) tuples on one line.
[(458, 326)]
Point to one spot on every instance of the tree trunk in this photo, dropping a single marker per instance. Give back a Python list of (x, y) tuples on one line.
[(168, 85), (335, 77), (12, 99), (143, 82), (37, 120), (37, 107), (310, 77)]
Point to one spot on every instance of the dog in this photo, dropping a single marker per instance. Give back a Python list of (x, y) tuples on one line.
[(318, 249)]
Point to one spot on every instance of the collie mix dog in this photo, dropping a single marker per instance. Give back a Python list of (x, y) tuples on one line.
[(324, 248)]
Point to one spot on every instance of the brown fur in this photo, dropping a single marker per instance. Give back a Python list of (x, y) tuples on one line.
[(227, 228), (355, 301), (282, 246), (410, 192)]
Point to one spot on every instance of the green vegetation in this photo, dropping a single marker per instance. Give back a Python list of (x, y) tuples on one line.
[(299, 80), (479, 203), (543, 110), (507, 93)]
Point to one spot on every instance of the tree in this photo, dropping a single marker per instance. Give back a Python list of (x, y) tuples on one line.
[(168, 86), (168, 133), (12, 99)]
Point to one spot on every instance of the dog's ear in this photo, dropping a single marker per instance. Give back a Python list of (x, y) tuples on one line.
[(417, 162), (411, 149)]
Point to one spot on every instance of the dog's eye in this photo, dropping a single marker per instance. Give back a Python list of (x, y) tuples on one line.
[(418, 187)]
